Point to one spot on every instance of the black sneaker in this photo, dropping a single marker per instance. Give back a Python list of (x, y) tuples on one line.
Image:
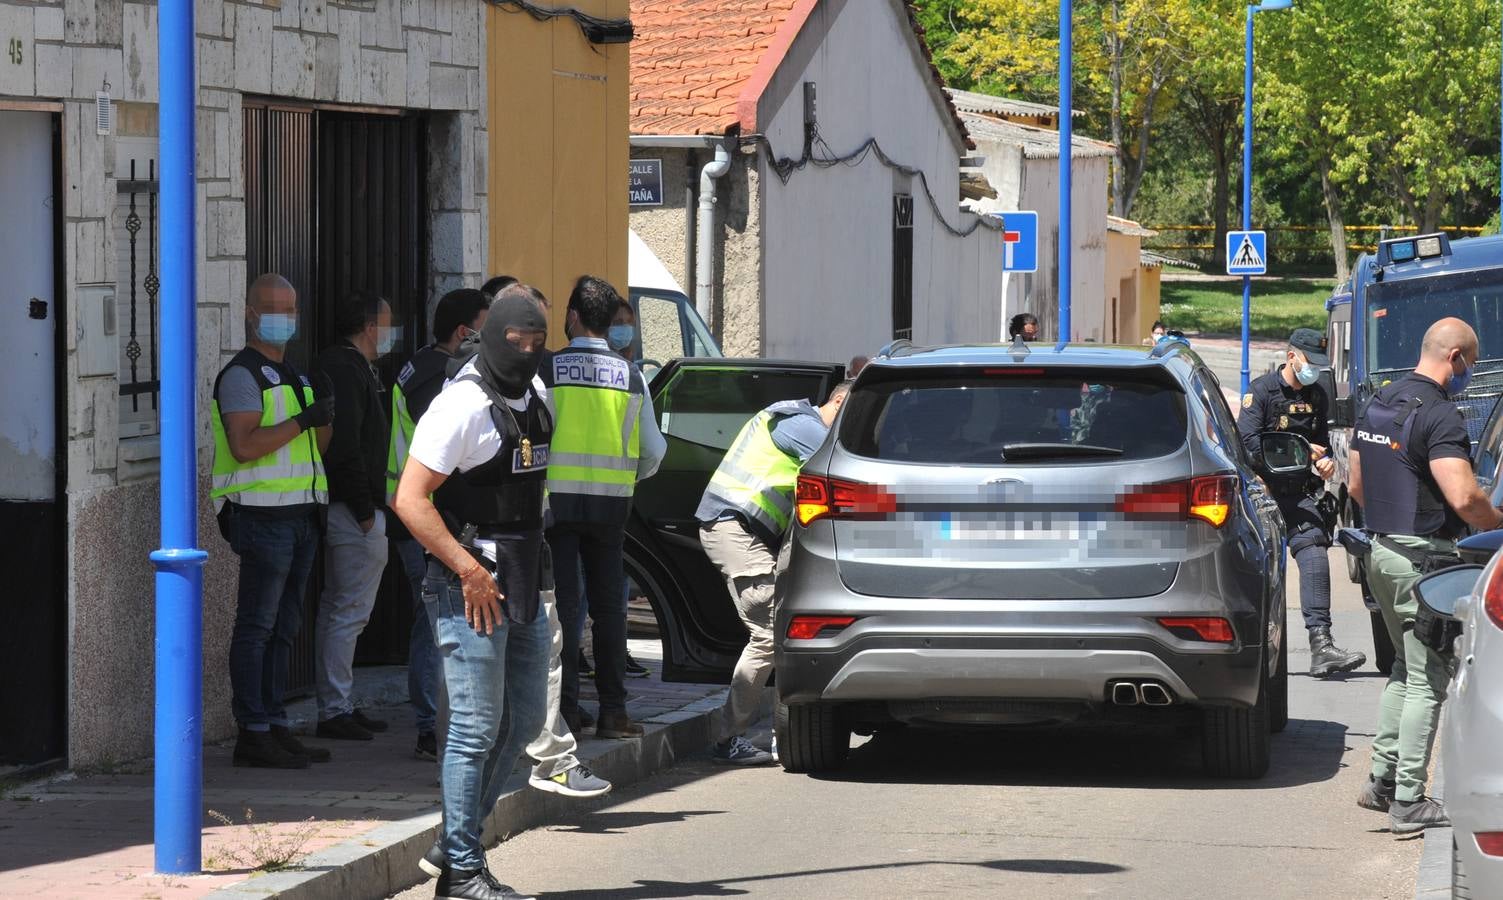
[(586, 668), (259, 750), (635, 669), (283, 736), (427, 745), (1411, 816), (343, 728), (1377, 794), (477, 884), (375, 726), (434, 862)]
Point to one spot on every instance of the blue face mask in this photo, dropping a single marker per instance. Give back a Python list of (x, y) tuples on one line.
[(387, 339), (621, 336), (1306, 375), (276, 328), (1458, 383)]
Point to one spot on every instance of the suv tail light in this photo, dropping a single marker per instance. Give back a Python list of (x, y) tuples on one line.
[(1208, 498), (1490, 842), (807, 628), (1492, 598), (1199, 628), (818, 498)]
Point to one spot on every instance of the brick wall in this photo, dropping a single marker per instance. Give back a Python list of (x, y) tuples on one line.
[(418, 54)]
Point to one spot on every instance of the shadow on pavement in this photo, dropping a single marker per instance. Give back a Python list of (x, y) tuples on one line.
[(617, 822), (725, 887), (1307, 752)]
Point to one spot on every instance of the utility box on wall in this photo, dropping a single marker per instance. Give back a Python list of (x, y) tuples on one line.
[(98, 342)]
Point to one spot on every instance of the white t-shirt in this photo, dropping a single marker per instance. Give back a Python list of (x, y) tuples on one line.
[(457, 433)]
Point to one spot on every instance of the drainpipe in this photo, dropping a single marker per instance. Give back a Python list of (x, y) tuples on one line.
[(704, 257)]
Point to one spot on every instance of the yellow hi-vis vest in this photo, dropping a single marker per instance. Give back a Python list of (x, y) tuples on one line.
[(426, 365), (756, 478), (592, 464), (291, 475)]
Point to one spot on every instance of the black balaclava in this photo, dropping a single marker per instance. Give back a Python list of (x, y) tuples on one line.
[(504, 368)]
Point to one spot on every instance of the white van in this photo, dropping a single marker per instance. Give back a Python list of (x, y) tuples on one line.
[(668, 326)]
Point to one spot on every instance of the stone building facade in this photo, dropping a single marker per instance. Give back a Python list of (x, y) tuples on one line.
[(423, 58)]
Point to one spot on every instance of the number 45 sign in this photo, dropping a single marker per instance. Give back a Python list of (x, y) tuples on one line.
[(16, 51)]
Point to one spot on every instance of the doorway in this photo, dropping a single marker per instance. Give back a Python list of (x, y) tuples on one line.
[(33, 662), (335, 202)]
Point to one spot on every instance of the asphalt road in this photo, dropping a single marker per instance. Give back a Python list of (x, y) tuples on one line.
[(1078, 812)]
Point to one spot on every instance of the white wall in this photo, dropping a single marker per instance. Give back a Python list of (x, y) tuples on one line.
[(827, 234), (1088, 262)]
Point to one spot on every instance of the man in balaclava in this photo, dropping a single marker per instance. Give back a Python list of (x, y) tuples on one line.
[(481, 453)]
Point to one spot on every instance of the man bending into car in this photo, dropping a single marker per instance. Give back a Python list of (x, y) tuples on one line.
[(743, 518)]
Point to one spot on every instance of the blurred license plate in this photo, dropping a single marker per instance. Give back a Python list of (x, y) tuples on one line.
[(962, 530)]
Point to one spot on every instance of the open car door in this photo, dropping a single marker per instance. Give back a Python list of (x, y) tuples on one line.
[(701, 404)]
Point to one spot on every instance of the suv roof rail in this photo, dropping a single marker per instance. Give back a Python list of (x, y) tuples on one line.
[(1163, 348), (899, 347)]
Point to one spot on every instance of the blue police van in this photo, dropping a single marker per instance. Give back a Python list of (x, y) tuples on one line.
[(1375, 324)]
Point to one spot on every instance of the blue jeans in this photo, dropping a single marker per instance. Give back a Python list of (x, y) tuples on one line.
[(598, 549), (498, 700), (423, 670), (276, 558)]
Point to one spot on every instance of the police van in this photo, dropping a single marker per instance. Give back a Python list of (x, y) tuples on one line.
[(1375, 325), (668, 325)]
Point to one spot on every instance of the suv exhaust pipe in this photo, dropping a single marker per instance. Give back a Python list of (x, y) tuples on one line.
[(1155, 694), (1125, 693)]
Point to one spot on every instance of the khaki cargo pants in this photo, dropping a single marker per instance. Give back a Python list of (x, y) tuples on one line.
[(749, 566)]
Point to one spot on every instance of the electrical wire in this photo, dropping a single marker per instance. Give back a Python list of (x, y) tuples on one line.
[(593, 27), (785, 167)]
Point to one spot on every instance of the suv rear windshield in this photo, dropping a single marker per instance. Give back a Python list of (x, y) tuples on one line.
[(1014, 415)]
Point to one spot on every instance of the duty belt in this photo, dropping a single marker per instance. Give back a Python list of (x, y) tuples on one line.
[(1425, 561)]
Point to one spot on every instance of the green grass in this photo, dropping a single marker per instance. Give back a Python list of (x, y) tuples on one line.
[(1278, 306)]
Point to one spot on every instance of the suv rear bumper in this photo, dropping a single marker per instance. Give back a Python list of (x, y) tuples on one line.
[(919, 666)]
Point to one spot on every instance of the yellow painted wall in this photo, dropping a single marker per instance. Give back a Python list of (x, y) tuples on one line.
[(558, 155)]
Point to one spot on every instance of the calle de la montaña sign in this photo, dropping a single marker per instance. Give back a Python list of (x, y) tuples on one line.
[(646, 183)]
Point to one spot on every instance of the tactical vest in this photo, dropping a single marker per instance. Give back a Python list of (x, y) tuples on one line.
[(425, 367), (592, 471), (291, 475), (503, 496), (1399, 495), (756, 478)]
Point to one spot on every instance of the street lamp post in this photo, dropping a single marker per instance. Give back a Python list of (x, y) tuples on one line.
[(1066, 128), (178, 772), (1247, 169)]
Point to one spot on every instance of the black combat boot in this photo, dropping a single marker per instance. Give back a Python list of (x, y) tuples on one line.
[(1327, 659)]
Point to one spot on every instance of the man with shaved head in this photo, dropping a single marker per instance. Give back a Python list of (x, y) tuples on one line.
[(270, 432), (1411, 471)]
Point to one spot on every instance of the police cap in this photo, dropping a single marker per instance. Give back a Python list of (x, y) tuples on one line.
[(1312, 343)]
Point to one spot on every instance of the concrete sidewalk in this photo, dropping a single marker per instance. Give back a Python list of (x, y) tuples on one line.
[(354, 827)]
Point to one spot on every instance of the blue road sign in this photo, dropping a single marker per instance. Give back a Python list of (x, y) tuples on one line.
[(1020, 241), (1246, 252)]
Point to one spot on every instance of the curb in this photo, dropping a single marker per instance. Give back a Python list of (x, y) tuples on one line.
[(383, 861), (1432, 881)]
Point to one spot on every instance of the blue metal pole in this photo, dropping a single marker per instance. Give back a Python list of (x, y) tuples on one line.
[(178, 814), (1247, 190), (1066, 146)]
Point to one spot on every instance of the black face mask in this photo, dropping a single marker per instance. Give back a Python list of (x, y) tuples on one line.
[(505, 368)]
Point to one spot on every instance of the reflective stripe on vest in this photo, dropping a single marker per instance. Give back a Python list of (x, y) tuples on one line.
[(756, 478), (402, 428), (597, 401), (291, 475)]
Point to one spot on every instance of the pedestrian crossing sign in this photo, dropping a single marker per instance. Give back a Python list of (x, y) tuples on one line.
[(1246, 252)]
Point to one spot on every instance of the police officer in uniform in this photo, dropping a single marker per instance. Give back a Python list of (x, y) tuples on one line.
[(1411, 470), (744, 517), (1287, 400), (606, 440), (481, 452), (459, 315)]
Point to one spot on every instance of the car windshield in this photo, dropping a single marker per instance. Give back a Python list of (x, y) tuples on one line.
[(1399, 313), (1014, 416)]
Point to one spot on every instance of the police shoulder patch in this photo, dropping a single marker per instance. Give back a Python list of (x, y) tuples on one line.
[(1247, 401), (271, 375)]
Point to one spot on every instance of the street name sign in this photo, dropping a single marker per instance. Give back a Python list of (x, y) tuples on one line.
[(646, 183), (1246, 252)]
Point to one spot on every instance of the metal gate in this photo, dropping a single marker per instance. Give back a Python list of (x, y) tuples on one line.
[(336, 202)]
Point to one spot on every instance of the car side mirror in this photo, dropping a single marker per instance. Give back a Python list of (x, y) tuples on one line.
[(1479, 548), (1441, 590), (1283, 454)]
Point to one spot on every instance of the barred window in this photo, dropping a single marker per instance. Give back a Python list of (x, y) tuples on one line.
[(137, 283)]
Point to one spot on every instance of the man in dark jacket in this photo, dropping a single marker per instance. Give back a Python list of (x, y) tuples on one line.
[(355, 542)]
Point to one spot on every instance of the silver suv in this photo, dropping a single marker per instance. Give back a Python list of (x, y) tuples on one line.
[(1017, 535)]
